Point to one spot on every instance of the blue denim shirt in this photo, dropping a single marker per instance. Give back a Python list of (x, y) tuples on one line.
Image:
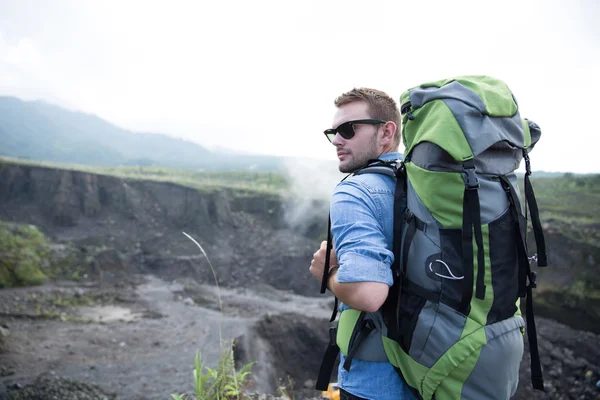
[(362, 209)]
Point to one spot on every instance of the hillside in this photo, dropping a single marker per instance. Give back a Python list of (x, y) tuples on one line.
[(41, 131)]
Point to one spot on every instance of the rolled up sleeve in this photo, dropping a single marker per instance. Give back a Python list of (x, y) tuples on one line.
[(360, 242)]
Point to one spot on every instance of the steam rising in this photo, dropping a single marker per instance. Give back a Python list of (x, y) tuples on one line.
[(311, 185)]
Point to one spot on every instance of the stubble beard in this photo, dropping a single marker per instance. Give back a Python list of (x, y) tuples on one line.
[(358, 160)]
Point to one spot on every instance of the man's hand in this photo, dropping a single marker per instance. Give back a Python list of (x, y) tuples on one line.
[(317, 265)]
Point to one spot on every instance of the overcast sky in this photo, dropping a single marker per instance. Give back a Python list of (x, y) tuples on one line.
[(261, 76)]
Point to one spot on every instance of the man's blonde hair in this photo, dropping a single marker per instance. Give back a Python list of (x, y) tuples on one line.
[(380, 105)]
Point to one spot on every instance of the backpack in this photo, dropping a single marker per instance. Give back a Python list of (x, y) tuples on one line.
[(451, 324)]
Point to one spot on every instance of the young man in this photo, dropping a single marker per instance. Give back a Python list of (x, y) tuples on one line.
[(365, 127)]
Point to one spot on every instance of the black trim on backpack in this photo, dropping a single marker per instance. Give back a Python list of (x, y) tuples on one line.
[(325, 278), (391, 306)]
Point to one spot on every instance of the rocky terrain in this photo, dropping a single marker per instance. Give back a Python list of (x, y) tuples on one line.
[(145, 299)]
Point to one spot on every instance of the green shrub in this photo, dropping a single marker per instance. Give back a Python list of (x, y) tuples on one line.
[(220, 383), (24, 251)]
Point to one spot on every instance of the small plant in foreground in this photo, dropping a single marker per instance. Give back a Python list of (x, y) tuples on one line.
[(221, 383)]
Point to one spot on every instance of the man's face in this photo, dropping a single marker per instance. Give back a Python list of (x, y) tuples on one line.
[(355, 152)]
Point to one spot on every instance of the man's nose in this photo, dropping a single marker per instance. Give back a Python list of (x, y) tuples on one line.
[(338, 140)]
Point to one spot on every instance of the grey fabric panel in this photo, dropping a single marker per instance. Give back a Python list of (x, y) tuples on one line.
[(422, 329), (483, 131), (453, 90), (535, 132), (493, 201), (500, 159), (422, 247), (438, 328), (432, 157), (496, 374), (514, 181), (372, 348)]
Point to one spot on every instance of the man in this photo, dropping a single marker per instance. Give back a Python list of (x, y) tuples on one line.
[(365, 126)]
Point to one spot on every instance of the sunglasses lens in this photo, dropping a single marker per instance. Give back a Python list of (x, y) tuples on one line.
[(346, 130), (330, 133)]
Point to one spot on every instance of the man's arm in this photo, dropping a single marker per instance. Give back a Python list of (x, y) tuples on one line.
[(362, 296)]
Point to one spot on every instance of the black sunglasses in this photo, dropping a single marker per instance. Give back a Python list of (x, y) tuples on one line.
[(346, 130)]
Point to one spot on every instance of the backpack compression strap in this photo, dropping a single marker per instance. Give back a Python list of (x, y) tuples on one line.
[(471, 221), (525, 274), (540, 242)]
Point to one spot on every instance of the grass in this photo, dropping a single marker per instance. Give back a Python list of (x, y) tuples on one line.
[(244, 182), (570, 204), (569, 198)]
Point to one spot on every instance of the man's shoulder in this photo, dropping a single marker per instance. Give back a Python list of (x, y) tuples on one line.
[(368, 182)]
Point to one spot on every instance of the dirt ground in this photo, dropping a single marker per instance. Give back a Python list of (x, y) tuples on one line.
[(138, 340)]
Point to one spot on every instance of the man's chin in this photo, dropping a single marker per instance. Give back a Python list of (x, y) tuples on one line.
[(346, 167)]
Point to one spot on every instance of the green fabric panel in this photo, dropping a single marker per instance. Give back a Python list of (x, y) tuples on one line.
[(345, 327), (413, 372), (481, 308), (435, 123), (527, 133), (441, 192), (518, 303), (451, 387), (466, 351), (496, 96)]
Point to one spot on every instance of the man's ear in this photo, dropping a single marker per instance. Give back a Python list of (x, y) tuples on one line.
[(389, 132)]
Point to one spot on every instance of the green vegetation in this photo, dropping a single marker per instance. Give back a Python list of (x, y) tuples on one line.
[(570, 204), (221, 383), (569, 198), (24, 255), (206, 181)]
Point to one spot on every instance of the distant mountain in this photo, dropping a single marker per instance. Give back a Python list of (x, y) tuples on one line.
[(41, 131)]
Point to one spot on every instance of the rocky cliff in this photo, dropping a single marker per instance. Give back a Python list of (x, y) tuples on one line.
[(123, 226)]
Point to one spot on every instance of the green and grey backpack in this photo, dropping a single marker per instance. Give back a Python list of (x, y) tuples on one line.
[(451, 324)]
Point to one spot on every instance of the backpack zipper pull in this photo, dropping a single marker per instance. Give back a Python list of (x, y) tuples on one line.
[(405, 109)]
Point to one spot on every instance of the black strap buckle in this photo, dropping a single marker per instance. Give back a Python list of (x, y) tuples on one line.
[(527, 162), (470, 177), (333, 332), (533, 280)]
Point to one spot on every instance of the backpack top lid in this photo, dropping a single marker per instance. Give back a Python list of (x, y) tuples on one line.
[(471, 114)]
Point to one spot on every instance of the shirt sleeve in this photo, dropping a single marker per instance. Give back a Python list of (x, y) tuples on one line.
[(358, 234)]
